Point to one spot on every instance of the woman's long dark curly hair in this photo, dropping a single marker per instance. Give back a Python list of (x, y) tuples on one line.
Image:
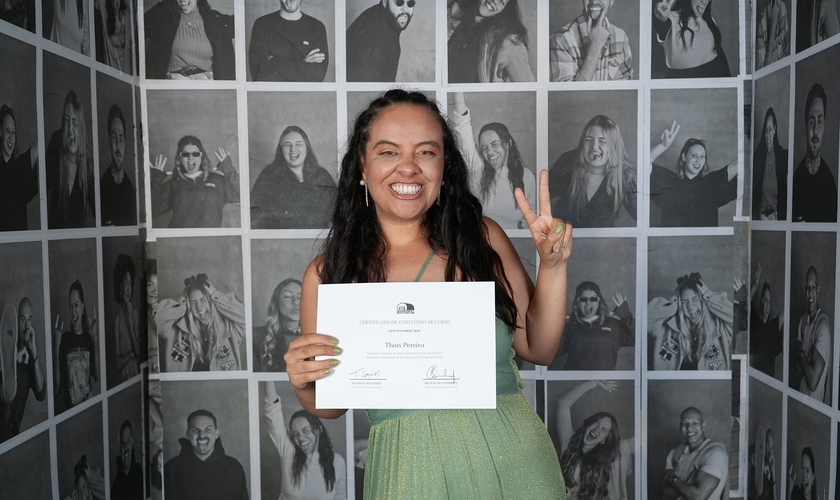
[(310, 163), (325, 450), (111, 15), (687, 13), (494, 31), (595, 466), (456, 226), (514, 163)]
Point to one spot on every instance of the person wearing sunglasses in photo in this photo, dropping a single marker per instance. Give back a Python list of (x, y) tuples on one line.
[(593, 336), (195, 192), (373, 41)]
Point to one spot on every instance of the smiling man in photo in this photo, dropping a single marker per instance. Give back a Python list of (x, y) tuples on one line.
[(590, 48), (373, 41), (697, 468)]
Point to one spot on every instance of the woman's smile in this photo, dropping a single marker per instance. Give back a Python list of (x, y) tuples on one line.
[(406, 190)]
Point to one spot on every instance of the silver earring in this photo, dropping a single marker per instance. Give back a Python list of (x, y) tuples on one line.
[(362, 183)]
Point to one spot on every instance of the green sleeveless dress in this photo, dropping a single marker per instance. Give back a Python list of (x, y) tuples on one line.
[(464, 454)]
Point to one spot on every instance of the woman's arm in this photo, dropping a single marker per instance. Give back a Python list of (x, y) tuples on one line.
[(125, 354), (461, 124), (542, 308), (512, 60), (301, 366), (667, 138), (226, 167), (273, 408)]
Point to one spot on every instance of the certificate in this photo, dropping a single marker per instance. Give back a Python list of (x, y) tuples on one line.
[(410, 345)]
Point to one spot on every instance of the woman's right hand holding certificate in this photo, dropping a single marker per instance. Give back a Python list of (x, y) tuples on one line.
[(301, 365)]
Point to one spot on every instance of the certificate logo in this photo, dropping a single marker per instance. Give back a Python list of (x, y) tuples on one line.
[(405, 308)]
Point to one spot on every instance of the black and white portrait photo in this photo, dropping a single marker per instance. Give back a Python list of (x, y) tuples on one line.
[(593, 151), (586, 44), (771, 126), (301, 455), (808, 452), (692, 39), (189, 40), (491, 41), (690, 305), (193, 156), (767, 302), (694, 183), (74, 294), (772, 31), (688, 452), (593, 426), (290, 40), (764, 434), (812, 303), (67, 23), (816, 21), (390, 41), (117, 181), (25, 477), (293, 159), (275, 296), (200, 316), (150, 305), (815, 138), (123, 294), (20, 208), (205, 440), (20, 13), (23, 347), (600, 331), (112, 21), (80, 456), (125, 444), (68, 131), (497, 137)]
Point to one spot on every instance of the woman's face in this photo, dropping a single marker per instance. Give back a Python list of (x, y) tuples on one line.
[(807, 470), (694, 160), (597, 432), (294, 149), (698, 7), (489, 8), (769, 444), (290, 301), (587, 304), (126, 286), (71, 129), (200, 306), (595, 148), (690, 305), (190, 158), (187, 6), (7, 136), (304, 436), (77, 308), (151, 289), (493, 149), (403, 162), (769, 132)]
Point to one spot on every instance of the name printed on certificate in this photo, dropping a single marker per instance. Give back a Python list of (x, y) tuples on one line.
[(409, 345)]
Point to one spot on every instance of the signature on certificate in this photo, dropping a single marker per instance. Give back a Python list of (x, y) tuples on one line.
[(433, 374), (363, 374)]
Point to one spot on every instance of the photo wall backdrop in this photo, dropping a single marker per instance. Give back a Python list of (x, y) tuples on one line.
[(793, 315), (661, 245), (73, 342)]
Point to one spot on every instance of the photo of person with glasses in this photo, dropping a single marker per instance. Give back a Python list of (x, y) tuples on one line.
[(195, 192), (593, 336)]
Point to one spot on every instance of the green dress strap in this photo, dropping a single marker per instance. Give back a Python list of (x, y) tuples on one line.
[(425, 265)]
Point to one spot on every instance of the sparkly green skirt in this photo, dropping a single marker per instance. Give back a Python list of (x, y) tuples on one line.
[(464, 454)]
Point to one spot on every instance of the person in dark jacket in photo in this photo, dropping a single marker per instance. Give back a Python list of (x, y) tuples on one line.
[(770, 173), (373, 41), (186, 39), (128, 485), (195, 191), (202, 470)]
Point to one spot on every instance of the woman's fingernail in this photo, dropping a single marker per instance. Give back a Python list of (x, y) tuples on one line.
[(556, 248), (558, 228), (565, 243), (333, 341), (327, 371), (334, 362), (338, 350)]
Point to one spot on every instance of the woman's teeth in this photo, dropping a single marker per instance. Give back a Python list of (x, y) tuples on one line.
[(406, 188)]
